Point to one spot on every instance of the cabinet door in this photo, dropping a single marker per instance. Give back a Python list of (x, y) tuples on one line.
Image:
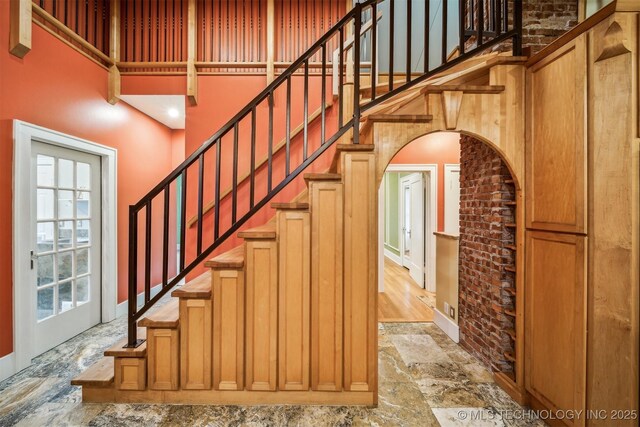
[(556, 141), (555, 342)]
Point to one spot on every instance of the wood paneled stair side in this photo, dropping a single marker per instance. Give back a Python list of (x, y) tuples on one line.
[(261, 307), (163, 353), (228, 287), (194, 346)]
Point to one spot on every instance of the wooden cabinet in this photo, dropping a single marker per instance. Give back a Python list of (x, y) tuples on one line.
[(294, 286), (555, 316), (556, 141)]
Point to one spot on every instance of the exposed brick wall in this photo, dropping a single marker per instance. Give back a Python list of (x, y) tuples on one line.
[(484, 235), (542, 22)]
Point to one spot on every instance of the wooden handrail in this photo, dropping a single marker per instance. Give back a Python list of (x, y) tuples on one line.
[(279, 146)]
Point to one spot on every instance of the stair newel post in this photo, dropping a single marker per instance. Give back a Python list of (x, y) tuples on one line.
[(356, 71), (133, 277)]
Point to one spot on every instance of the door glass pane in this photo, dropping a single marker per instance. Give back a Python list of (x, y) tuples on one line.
[(65, 173), (82, 232), (65, 296), (65, 234), (65, 265), (45, 303), (44, 204), (46, 171), (82, 261), (82, 292), (45, 237), (83, 176), (45, 270), (82, 204), (65, 204)]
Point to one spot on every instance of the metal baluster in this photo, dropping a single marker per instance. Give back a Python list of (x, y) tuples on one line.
[(183, 218), (133, 276), (305, 134), (356, 73), (340, 78), (165, 238), (234, 187), (270, 147), (252, 175), (517, 23), (200, 202), (444, 31), (288, 128), (324, 92), (462, 7), (480, 29), (216, 225), (374, 49), (391, 42), (147, 253), (408, 69)]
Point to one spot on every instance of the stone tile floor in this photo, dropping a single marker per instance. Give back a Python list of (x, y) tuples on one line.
[(425, 380)]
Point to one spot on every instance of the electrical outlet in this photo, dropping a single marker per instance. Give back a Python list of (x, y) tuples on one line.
[(452, 312), (446, 307)]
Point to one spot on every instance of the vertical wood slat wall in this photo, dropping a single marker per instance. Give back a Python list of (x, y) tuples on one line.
[(87, 18)]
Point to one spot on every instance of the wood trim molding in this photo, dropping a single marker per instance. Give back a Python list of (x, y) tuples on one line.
[(20, 27), (192, 72)]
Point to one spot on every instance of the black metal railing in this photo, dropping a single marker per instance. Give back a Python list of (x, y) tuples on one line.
[(220, 158)]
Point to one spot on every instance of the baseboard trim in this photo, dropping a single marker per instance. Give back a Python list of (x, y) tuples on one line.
[(447, 325), (393, 257), (7, 366)]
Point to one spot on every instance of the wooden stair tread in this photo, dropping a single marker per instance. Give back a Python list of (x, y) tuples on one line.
[(266, 231), (230, 259), (100, 374), (292, 206), (400, 118), (470, 89), (198, 288), (355, 147), (119, 350), (322, 176), (166, 316)]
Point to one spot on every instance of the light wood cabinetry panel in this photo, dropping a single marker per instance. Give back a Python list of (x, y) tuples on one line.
[(195, 344), (614, 226), (130, 373), (163, 358), (261, 265), (228, 329), (294, 260), (556, 141), (555, 303), (360, 269), (326, 285)]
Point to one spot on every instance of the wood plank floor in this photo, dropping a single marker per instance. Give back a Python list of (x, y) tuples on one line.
[(399, 302)]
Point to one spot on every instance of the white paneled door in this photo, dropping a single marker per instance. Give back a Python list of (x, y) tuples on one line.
[(66, 238)]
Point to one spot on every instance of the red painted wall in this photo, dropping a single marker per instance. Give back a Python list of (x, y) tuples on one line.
[(437, 148), (58, 88)]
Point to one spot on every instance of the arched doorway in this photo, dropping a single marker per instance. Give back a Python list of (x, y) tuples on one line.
[(475, 317)]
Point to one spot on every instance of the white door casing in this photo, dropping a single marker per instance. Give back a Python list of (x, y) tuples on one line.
[(452, 199), (417, 223), (24, 311)]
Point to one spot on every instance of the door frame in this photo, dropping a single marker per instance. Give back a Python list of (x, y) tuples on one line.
[(403, 184), (431, 214), (23, 134), (448, 168)]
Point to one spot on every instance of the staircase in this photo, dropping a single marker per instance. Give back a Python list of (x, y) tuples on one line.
[(289, 316)]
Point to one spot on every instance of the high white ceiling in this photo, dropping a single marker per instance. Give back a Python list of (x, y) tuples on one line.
[(160, 108)]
